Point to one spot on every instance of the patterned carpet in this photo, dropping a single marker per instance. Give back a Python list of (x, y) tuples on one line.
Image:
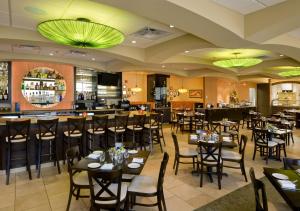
[(243, 199)]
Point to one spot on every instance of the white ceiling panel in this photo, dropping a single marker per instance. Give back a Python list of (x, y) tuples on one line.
[(247, 6), (5, 47), (4, 6)]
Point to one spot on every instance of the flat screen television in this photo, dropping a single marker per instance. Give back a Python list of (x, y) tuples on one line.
[(108, 79)]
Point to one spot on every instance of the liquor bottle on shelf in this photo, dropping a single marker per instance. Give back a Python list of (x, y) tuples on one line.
[(27, 87), (29, 74), (5, 96), (23, 86)]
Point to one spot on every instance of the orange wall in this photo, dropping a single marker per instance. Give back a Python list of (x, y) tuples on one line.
[(133, 78), (219, 89), (177, 82), (20, 69)]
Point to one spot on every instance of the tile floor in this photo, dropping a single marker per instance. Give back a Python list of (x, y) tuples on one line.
[(182, 192)]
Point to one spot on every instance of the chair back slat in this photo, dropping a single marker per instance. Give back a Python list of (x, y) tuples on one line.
[(175, 141), (260, 192), (210, 153), (154, 120), (242, 145), (139, 121), (162, 171)]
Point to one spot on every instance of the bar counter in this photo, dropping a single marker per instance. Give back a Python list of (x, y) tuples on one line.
[(235, 114), (62, 126)]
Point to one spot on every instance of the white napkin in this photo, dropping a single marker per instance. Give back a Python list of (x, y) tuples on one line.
[(93, 156), (137, 160), (107, 166), (227, 139), (286, 184), (193, 137)]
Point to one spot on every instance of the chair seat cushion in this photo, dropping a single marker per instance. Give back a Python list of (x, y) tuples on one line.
[(18, 139), (272, 144), (130, 127), (119, 130), (210, 160), (113, 188), (152, 126), (95, 132), (75, 133), (45, 137), (143, 184), (81, 178), (233, 132), (231, 155), (188, 151), (278, 141)]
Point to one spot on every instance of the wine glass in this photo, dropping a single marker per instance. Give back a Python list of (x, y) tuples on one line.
[(126, 154), (102, 157)]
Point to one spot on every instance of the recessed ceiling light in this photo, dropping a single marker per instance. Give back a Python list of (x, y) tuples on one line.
[(187, 51), (163, 66), (51, 54), (93, 59), (281, 55), (171, 26), (133, 41)]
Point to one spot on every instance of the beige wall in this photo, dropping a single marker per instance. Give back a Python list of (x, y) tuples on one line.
[(130, 79), (190, 83), (219, 89)]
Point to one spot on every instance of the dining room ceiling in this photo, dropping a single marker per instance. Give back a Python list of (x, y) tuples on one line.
[(170, 36)]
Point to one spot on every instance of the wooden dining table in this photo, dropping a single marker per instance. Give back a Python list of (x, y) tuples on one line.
[(292, 197), (82, 165)]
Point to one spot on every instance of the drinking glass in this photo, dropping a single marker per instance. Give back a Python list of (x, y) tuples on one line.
[(126, 154), (102, 157)]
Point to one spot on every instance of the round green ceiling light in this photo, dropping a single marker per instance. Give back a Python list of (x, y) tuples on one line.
[(237, 62), (80, 33), (290, 73)]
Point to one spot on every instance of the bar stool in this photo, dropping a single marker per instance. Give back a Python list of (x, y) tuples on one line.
[(119, 128), (47, 132), (74, 133), (17, 133), (137, 129), (153, 129), (99, 127)]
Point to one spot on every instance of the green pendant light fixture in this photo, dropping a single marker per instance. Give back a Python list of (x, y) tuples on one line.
[(237, 62), (80, 33)]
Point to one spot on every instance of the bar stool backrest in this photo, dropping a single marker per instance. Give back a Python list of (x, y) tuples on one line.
[(121, 122), (162, 172), (99, 122), (139, 121), (235, 127), (47, 127), (76, 125), (18, 130), (259, 189), (104, 179)]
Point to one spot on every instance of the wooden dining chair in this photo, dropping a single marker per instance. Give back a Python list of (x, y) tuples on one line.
[(151, 130), (259, 191), (117, 131), (136, 131), (78, 179), (215, 127), (107, 190), (234, 131), (188, 153), (236, 157), (210, 157), (147, 186), (182, 122), (263, 144)]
